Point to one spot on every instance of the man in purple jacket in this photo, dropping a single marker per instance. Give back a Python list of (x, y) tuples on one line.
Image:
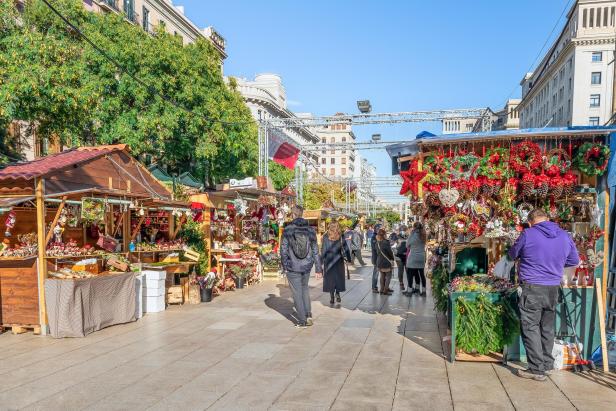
[(544, 250)]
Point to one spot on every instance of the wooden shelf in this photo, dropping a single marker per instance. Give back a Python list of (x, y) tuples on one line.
[(17, 258)]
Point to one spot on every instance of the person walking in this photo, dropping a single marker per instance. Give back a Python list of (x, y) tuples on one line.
[(299, 253), (401, 256), (416, 260), (384, 261), (543, 250), (356, 247), (369, 234), (375, 269), (334, 254)]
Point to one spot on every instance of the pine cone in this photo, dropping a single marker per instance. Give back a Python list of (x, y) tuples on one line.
[(567, 190), (487, 190), (542, 190), (527, 188), (557, 191)]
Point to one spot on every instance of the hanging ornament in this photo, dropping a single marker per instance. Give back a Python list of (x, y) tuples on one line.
[(411, 179), (449, 196), (592, 159), (9, 223), (525, 157), (141, 212)]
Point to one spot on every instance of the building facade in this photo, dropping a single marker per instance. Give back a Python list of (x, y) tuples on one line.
[(150, 14), (266, 98), (573, 84), (338, 162), (509, 117)]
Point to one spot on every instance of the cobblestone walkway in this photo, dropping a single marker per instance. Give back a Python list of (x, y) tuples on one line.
[(241, 352)]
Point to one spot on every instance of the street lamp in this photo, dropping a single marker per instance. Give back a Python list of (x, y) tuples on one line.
[(376, 138), (364, 106)]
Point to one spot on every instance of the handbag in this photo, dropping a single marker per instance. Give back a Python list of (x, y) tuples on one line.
[(384, 256)]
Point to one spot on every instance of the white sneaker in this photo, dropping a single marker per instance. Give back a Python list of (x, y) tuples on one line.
[(309, 322)]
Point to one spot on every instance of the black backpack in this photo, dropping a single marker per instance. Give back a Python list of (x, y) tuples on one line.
[(300, 244), (401, 249)]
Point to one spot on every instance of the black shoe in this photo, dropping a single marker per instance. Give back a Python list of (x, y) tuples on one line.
[(331, 301), (423, 293), (415, 291), (338, 297), (375, 290)]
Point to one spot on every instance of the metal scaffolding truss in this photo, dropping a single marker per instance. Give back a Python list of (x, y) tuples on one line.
[(381, 118)]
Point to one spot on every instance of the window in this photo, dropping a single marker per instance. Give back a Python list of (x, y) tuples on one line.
[(146, 23), (343, 160), (595, 77), (593, 121), (597, 56), (333, 161), (129, 9), (344, 139), (595, 100), (323, 160), (343, 171), (332, 171), (323, 171)]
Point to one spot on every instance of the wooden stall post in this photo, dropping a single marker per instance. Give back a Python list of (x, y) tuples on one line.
[(42, 246), (171, 220), (126, 238), (602, 320), (55, 221)]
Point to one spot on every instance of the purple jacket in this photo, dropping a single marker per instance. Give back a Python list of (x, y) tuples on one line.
[(544, 251)]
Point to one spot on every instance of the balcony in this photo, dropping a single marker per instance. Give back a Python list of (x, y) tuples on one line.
[(111, 5), (217, 40)]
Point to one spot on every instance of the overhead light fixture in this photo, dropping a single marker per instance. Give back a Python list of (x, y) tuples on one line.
[(376, 137), (364, 106)]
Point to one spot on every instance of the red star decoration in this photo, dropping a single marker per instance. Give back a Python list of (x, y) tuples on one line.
[(411, 179)]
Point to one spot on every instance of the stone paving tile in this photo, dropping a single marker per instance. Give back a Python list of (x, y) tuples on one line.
[(257, 350), (370, 353), (316, 388)]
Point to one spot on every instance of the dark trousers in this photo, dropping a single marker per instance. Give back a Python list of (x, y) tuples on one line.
[(298, 282), (375, 278), (537, 317), (400, 261), (417, 276), (357, 254), (385, 279)]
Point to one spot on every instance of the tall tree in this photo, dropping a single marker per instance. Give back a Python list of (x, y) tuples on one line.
[(51, 77)]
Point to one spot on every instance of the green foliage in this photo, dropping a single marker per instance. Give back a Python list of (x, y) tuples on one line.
[(194, 236), (439, 281), (280, 175), (317, 193), (391, 217), (51, 77), (483, 327)]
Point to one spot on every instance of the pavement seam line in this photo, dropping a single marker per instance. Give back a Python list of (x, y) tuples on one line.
[(563, 393), (438, 327), (503, 385), (405, 318)]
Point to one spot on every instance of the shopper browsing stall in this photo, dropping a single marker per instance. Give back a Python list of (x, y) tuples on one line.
[(544, 250), (334, 254), (416, 260), (384, 261)]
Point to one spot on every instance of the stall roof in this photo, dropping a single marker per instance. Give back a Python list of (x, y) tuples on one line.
[(108, 170), (56, 162), (412, 146)]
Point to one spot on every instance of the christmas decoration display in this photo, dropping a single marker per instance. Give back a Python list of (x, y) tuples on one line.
[(592, 159), (411, 179)]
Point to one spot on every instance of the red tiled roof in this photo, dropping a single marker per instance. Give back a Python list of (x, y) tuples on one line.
[(55, 162)]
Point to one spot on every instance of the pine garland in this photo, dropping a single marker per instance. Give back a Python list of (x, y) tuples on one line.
[(483, 327), (439, 281)]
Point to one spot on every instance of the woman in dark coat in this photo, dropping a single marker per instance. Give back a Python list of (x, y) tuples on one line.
[(334, 252), (384, 260)]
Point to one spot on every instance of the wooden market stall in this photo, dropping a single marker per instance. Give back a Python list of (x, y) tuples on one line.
[(473, 192), (242, 221), (80, 213)]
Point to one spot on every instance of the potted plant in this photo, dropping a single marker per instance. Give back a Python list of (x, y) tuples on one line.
[(206, 284), (240, 273)]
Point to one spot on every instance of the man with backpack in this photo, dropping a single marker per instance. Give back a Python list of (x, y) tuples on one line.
[(299, 252)]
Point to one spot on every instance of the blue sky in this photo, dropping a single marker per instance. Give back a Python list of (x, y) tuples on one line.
[(402, 55)]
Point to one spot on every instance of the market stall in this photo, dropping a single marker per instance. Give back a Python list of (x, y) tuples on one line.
[(243, 222), (78, 216), (474, 192)]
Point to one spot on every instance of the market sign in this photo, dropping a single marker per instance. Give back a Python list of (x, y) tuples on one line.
[(247, 182)]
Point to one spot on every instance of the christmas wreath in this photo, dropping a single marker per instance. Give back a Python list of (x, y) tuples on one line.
[(494, 165), (438, 168), (525, 157), (464, 166), (592, 159), (459, 223)]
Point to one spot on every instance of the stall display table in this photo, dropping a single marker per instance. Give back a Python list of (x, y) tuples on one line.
[(78, 307)]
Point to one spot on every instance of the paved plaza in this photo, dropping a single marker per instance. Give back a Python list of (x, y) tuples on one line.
[(240, 352)]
